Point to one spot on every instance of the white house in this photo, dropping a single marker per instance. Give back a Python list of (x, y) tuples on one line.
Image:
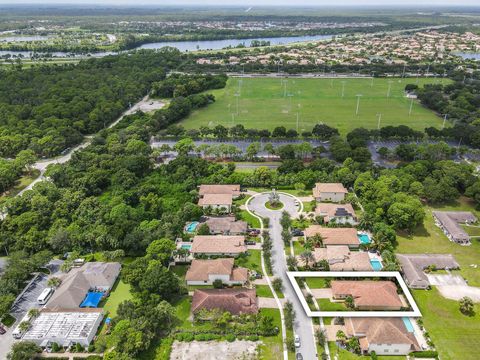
[(333, 192), (205, 272)]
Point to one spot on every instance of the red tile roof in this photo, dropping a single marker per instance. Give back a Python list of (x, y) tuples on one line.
[(235, 301)]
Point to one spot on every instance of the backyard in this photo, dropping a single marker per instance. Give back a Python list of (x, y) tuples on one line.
[(276, 102)]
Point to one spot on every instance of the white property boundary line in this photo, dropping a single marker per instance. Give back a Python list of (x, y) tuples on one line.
[(357, 274), (264, 270)]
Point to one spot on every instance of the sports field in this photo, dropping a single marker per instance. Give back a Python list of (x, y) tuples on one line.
[(267, 103)]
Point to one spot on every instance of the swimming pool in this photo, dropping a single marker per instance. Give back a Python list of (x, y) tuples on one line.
[(186, 246), (190, 228), (408, 324), (364, 238), (376, 264)]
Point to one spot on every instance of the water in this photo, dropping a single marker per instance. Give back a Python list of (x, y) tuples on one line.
[(24, 38), (181, 45), (191, 227), (364, 238), (220, 44), (186, 246), (376, 264), (408, 324), (475, 56)]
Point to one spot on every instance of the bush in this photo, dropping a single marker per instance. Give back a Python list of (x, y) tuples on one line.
[(230, 338), (426, 354), (253, 338), (217, 284)]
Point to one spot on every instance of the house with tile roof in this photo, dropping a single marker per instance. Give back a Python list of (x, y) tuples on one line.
[(385, 336), (205, 272), (218, 245), (336, 213), (449, 222), (341, 258), (226, 225), (331, 192), (334, 236), (236, 301), (368, 294)]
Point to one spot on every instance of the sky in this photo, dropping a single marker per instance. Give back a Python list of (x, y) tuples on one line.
[(256, 2)]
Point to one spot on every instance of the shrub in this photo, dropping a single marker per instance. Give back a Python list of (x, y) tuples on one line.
[(253, 338), (217, 284), (426, 354), (230, 338)]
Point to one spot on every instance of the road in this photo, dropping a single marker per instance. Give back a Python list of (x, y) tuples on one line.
[(303, 326)]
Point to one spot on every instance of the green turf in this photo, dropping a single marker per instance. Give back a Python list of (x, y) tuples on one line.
[(252, 261), (264, 291), (342, 354), (315, 283), (262, 104), (272, 347), (120, 293), (252, 221), (454, 334), (428, 238), (327, 305)]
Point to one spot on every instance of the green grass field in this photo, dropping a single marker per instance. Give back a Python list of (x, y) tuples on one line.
[(267, 103), (120, 293)]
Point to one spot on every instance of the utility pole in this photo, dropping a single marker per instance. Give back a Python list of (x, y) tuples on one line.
[(389, 88), (379, 115), (285, 88), (428, 70), (411, 107), (444, 120), (237, 95), (358, 103), (343, 88), (404, 67), (373, 76)]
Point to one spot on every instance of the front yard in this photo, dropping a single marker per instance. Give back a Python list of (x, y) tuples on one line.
[(347, 355), (251, 261)]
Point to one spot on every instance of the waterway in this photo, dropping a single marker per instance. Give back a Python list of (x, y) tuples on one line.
[(475, 56)]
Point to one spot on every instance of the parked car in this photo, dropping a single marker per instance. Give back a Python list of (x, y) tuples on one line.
[(297, 232), (299, 356), (297, 341), (257, 275), (250, 242), (2, 330), (254, 232), (297, 203)]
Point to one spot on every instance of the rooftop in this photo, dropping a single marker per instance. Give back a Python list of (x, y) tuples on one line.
[(219, 244), (235, 301), (340, 258), (328, 188), (215, 199), (226, 224), (450, 221), (330, 210), (368, 292), (334, 236), (201, 269), (233, 190)]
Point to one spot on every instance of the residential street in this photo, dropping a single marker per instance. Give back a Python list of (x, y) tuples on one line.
[(303, 324)]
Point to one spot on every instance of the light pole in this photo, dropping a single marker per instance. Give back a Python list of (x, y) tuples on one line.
[(389, 88), (358, 103), (444, 120), (411, 107), (237, 95), (298, 115), (290, 102), (343, 88), (285, 88), (373, 76)]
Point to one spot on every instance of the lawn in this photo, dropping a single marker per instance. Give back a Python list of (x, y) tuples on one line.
[(297, 247), (454, 334), (315, 283), (268, 103), (19, 185), (264, 291), (251, 220), (428, 238), (346, 355), (272, 347), (252, 261), (326, 305), (119, 293)]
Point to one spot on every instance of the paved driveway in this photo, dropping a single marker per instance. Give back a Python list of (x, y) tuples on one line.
[(303, 324), (456, 292), (321, 293), (440, 280)]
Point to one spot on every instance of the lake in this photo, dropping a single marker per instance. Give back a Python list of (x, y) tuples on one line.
[(186, 45), (475, 56)]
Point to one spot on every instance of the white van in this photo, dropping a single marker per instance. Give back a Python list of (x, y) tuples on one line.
[(44, 296), (17, 333)]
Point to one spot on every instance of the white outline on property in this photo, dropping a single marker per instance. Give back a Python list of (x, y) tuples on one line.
[(357, 274)]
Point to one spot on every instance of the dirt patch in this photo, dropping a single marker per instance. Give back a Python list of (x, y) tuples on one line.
[(214, 350)]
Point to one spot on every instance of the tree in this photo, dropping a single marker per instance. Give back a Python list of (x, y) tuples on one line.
[(277, 284), (289, 314), (307, 258), (467, 306), (24, 326), (203, 229), (291, 262), (349, 302), (269, 149), (353, 345), (252, 150), (184, 146), (24, 350), (161, 250), (218, 284), (341, 337), (33, 313), (54, 282), (324, 132), (279, 132)]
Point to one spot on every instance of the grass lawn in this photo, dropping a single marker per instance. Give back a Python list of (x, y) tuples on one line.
[(268, 103), (315, 283), (119, 293), (272, 347), (264, 291), (241, 201), (252, 261), (428, 238), (288, 191), (297, 248), (251, 220), (19, 185), (347, 355), (308, 206), (454, 334), (326, 305), (179, 270)]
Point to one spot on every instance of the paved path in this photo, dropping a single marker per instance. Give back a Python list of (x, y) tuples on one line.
[(303, 326)]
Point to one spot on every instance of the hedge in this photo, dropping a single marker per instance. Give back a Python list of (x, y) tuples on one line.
[(425, 354)]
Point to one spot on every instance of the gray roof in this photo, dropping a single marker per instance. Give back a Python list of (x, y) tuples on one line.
[(76, 284), (450, 221), (226, 224), (413, 265)]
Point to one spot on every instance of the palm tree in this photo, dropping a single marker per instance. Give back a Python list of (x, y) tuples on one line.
[(316, 240), (341, 337), (54, 282), (24, 326), (307, 258), (33, 313), (291, 262)]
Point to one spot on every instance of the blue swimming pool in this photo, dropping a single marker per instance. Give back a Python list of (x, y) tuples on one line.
[(186, 246), (376, 264), (190, 228), (408, 324), (364, 238)]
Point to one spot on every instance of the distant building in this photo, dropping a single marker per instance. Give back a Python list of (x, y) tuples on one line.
[(336, 213), (385, 336), (235, 301), (64, 328), (205, 272), (341, 258), (449, 222), (218, 196), (334, 192), (93, 276), (368, 295), (413, 266), (334, 236), (233, 190), (219, 245), (226, 225)]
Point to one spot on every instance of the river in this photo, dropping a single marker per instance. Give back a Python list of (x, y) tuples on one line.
[(183, 45)]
